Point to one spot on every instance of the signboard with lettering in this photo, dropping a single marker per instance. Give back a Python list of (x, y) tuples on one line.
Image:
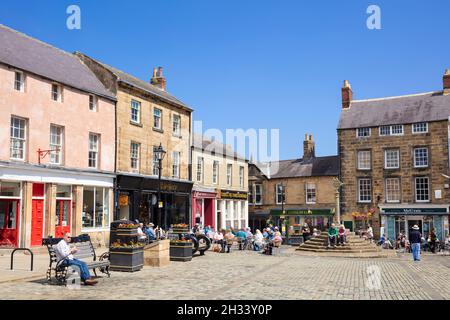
[(414, 211), (302, 212), (232, 195)]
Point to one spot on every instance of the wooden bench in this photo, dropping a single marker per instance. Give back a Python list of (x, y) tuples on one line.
[(85, 253)]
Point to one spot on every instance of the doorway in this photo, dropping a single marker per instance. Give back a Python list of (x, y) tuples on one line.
[(62, 220), (411, 223), (37, 214), (9, 222)]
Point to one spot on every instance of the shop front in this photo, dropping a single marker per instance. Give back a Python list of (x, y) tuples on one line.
[(400, 219), (320, 219), (137, 199), (232, 209), (204, 207)]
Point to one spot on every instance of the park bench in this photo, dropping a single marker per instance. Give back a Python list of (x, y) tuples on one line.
[(85, 253)]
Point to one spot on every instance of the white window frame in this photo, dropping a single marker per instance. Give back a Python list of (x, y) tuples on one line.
[(391, 130), (280, 193), (93, 147), (310, 191), (384, 134), (386, 183), (159, 117), (133, 105), (58, 92), (258, 194), (415, 159), (54, 146), (21, 140), (229, 174), (359, 159), (135, 153), (93, 102), (215, 176), (176, 164), (360, 129), (21, 82), (386, 158), (414, 131), (241, 176), (359, 190), (200, 165), (415, 189), (105, 206), (176, 125), (155, 162)]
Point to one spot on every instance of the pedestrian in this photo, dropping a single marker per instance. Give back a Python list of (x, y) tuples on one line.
[(414, 239), (229, 237), (433, 238)]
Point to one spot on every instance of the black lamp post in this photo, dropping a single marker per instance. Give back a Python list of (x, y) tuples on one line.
[(160, 153)]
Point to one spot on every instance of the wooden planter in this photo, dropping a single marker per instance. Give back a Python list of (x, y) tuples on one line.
[(180, 230), (124, 235), (181, 251), (126, 258)]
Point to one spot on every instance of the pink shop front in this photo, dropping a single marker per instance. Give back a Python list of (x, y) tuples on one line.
[(204, 208)]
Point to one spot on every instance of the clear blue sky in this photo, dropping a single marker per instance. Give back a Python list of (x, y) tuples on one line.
[(257, 63)]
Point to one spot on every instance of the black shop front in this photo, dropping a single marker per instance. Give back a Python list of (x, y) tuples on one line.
[(136, 197)]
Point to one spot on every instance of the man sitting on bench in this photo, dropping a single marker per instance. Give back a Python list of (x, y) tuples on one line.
[(64, 255)]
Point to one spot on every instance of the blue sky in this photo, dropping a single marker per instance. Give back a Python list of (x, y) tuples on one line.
[(257, 63)]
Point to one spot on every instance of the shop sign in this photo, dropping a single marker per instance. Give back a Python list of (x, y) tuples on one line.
[(123, 200), (198, 194), (414, 210), (302, 212), (232, 195)]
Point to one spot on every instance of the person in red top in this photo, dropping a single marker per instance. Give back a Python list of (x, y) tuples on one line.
[(341, 235)]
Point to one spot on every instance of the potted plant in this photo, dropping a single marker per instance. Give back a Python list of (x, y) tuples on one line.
[(126, 256), (181, 250), (180, 228)]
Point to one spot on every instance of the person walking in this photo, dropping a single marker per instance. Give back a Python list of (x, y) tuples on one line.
[(414, 240)]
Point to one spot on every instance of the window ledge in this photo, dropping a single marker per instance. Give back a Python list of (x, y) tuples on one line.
[(136, 124), (177, 135), (158, 130)]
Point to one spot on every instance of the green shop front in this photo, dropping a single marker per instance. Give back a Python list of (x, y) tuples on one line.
[(315, 218), (400, 219)]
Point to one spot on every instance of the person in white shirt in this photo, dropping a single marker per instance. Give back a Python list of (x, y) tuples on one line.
[(64, 255), (142, 236)]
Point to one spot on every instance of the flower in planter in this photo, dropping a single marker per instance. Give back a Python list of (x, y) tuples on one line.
[(128, 225), (130, 244)]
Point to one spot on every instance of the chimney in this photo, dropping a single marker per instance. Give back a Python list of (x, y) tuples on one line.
[(347, 95), (446, 80), (308, 147), (158, 79)]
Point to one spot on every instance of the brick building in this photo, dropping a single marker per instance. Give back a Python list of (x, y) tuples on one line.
[(148, 116), (219, 196), (393, 154), (305, 184)]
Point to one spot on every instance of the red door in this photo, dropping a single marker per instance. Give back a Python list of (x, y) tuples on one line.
[(62, 223), (37, 221), (9, 222)]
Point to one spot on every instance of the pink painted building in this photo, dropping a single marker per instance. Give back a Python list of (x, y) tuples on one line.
[(57, 138)]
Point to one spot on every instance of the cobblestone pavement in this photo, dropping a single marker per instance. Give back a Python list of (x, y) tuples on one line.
[(247, 275)]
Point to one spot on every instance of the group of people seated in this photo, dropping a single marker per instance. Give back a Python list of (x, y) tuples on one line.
[(337, 236), (149, 233)]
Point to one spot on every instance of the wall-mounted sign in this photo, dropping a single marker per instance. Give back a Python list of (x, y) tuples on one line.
[(302, 212), (232, 195), (413, 211), (123, 200)]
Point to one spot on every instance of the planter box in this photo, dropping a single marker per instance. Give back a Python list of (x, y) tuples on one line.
[(181, 251), (125, 235), (157, 254), (126, 259), (180, 230)]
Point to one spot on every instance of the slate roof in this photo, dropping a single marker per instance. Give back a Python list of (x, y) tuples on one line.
[(25, 53), (202, 143), (145, 86), (425, 107), (318, 166)]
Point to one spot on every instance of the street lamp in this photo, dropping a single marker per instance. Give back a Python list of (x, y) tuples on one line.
[(160, 154), (283, 190), (337, 184)]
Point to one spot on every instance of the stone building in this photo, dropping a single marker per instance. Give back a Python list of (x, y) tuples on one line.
[(219, 196), (58, 140), (147, 116), (303, 188), (393, 154)]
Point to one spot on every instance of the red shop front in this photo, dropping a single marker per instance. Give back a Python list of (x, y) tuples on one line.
[(204, 208)]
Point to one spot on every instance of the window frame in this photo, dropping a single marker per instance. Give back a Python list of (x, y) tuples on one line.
[(363, 128), (229, 174), (428, 187), (176, 155), (386, 158), (280, 193), (22, 140), (200, 172), (391, 130), (52, 145), (22, 81), (177, 132), (260, 202), (308, 192), (359, 180), (419, 132), (96, 151), (58, 92), (159, 117), (215, 172), (399, 190), (241, 176), (138, 114), (106, 205), (155, 162), (358, 160), (93, 103), (135, 153), (427, 158)]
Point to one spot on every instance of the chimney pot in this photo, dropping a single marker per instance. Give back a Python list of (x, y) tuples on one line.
[(308, 147), (347, 95), (158, 79), (446, 81)]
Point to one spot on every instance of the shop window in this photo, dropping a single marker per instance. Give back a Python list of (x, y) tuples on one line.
[(9, 189), (95, 207), (63, 191)]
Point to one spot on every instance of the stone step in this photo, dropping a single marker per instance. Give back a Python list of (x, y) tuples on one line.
[(351, 244), (341, 250)]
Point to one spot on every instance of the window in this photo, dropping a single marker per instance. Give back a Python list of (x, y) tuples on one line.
[(157, 118), (215, 176), (392, 190), (420, 157), (56, 139), (18, 139), (10, 189), (176, 125), (394, 130), (421, 127), (155, 162), (258, 194), (229, 174), (310, 193), (175, 164), (364, 190), (363, 132), (94, 141), (19, 81), (56, 92), (95, 207), (134, 156), (93, 103), (241, 177), (281, 196), (422, 189), (364, 161), (199, 169), (391, 159), (63, 191), (135, 111)]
